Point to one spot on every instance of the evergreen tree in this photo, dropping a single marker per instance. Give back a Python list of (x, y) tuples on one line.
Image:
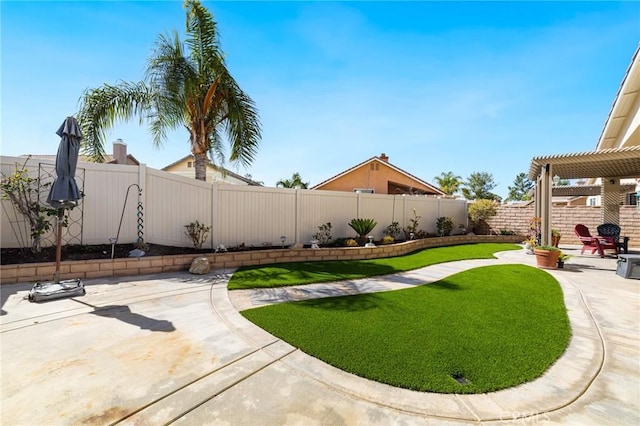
[(520, 189)]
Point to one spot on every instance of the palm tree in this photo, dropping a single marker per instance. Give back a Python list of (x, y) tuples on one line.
[(186, 84), (448, 182), (295, 181)]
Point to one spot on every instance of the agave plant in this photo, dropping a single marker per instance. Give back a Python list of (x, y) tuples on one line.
[(362, 227)]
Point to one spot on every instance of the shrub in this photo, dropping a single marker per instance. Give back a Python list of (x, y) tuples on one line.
[(22, 191), (414, 222), (362, 227), (350, 242), (444, 225), (388, 239), (481, 210), (324, 233), (392, 230), (198, 233)]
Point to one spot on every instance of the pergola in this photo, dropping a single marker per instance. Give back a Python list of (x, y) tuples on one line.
[(609, 164)]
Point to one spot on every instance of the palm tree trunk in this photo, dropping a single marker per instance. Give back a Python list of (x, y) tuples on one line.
[(200, 164)]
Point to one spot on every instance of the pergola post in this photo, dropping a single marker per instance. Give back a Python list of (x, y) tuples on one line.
[(544, 211), (610, 205)]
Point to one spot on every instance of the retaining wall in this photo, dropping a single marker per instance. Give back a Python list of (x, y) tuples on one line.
[(85, 269)]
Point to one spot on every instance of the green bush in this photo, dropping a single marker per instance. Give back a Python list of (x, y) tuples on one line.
[(444, 225), (362, 227), (481, 210), (392, 230)]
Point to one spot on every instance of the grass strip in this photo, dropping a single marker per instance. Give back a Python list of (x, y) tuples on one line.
[(495, 326), (287, 274)]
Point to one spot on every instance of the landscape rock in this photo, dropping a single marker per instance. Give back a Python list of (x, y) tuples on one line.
[(200, 266)]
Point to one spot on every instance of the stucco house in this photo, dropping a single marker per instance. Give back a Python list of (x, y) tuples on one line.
[(186, 167), (377, 175)]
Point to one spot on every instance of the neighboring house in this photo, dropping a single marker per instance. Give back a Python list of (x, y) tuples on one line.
[(377, 175), (186, 167), (119, 156)]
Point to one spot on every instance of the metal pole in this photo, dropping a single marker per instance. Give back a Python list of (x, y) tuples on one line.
[(56, 276)]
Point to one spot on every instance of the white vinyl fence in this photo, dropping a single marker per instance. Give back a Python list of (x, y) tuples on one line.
[(160, 204)]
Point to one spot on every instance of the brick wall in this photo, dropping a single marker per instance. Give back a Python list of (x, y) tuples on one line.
[(564, 219)]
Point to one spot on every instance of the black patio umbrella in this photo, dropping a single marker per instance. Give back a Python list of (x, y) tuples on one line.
[(64, 192)]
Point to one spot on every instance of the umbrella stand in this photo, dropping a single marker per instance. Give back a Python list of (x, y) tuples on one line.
[(60, 216), (57, 289)]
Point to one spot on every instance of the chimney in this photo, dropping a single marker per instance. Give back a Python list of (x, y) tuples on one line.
[(384, 157), (120, 152)]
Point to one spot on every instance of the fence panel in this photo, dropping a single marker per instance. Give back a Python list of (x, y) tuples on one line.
[(320, 207), (254, 216), (378, 207), (171, 203), (456, 210), (103, 203)]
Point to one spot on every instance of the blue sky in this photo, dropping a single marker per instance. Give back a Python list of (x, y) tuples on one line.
[(437, 86)]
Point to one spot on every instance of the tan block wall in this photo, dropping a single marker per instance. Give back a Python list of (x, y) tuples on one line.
[(85, 269), (564, 219)]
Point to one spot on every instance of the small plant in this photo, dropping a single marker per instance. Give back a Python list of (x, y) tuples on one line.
[(392, 230), (362, 227), (324, 233), (414, 222), (444, 225), (22, 191), (547, 248), (535, 224), (555, 233), (507, 232), (388, 239), (350, 242), (198, 233), (564, 257)]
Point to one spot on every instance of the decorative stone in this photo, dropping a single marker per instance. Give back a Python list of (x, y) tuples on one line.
[(200, 266), (136, 253)]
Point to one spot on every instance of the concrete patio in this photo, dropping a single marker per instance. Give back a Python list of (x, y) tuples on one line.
[(167, 348)]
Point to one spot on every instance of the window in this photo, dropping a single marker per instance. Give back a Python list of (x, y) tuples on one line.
[(364, 190), (189, 164), (375, 166), (631, 199)]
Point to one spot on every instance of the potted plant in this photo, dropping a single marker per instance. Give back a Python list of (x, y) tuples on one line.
[(529, 244), (547, 256), (555, 237), (561, 259)]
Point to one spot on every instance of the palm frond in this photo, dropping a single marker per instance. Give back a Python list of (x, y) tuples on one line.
[(102, 107)]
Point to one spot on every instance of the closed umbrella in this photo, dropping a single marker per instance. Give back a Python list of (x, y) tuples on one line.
[(64, 192)]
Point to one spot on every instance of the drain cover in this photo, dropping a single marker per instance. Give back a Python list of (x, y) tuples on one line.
[(460, 379)]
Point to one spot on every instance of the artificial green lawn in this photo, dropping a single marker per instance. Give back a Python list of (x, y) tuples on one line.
[(497, 326), (286, 274)]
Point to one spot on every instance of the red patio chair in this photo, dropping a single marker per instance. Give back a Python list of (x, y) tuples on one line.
[(594, 243)]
